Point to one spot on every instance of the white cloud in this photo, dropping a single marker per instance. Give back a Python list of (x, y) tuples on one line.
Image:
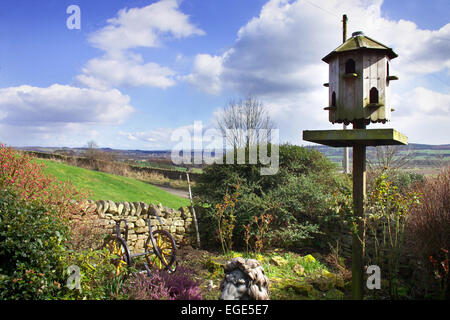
[(277, 58), (145, 27), (196, 134), (281, 49), (102, 73), (59, 115), (62, 104), (423, 101), (154, 137), (208, 70)]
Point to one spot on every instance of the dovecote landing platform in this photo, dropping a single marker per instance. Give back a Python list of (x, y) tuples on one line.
[(350, 138)]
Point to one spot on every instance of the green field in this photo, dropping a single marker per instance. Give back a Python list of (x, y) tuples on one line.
[(104, 186)]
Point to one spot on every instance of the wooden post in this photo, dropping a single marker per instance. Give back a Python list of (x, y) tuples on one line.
[(344, 28), (346, 161), (359, 196), (193, 209)]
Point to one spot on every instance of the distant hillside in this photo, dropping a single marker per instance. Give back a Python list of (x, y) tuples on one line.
[(422, 155)]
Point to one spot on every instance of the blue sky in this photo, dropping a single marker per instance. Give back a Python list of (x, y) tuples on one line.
[(138, 70)]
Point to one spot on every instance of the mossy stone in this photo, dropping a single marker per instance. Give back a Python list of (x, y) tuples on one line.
[(278, 261), (334, 294)]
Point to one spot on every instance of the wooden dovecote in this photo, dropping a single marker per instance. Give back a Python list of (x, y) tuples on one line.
[(358, 94), (359, 81)]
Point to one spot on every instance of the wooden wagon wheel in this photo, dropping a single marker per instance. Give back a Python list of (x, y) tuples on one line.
[(162, 251), (118, 247)]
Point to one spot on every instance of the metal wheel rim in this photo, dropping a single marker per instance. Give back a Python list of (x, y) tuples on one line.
[(118, 247), (165, 257)]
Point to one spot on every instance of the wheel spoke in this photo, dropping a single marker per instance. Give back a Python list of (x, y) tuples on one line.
[(163, 248)]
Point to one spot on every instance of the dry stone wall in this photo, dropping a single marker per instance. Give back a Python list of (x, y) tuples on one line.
[(178, 222)]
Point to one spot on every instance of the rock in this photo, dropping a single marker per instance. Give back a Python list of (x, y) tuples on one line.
[(132, 209), (162, 210), (100, 209), (180, 230), (105, 205), (336, 278), (112, 208), (144, 207), (132, 237), (178, 223), (178, 238), (278, 261), (169, 213), (176, 213), (126, 208), (214, 266), (119, 207), (139, 246), (152, 208), (140, 223), (132, 218), (334, 294), (340, 283), (138, 208), (141, 230), (325, 281), (323, 284), (185, 212), (300, 287), (298, 269)]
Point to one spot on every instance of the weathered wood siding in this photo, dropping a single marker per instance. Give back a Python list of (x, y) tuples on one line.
[(375, 75), (353, 93)]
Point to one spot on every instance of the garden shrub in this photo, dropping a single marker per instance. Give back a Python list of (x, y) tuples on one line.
[(100, 278), (386, 218), (31, 244), (406, 180), (297, 197), (40, 218), (23, 175), (402, 179), (428, 233), (162, 285)]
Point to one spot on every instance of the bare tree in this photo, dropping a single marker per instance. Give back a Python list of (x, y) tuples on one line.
[(389, 157), (91, 150), (241, 121)]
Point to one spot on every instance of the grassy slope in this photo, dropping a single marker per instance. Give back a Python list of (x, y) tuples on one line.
[(106, 186)]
